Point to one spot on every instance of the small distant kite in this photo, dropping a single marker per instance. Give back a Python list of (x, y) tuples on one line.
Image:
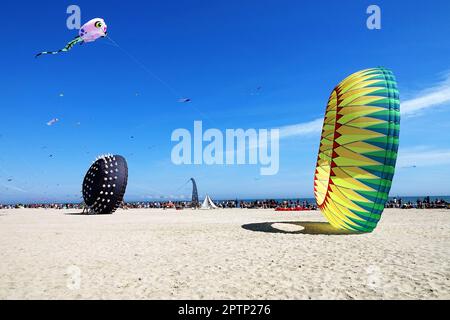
[(52, 122), (89, 32), (9, 180), (257, 91), (184, 100)]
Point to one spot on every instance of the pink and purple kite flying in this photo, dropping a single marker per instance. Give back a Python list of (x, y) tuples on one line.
[(89, 32)]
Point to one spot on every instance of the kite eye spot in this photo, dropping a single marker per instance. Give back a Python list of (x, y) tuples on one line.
[(98, 24)]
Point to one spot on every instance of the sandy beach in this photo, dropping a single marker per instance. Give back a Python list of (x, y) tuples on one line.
[(221, 254)]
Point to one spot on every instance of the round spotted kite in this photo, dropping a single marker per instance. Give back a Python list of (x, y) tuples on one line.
[(105, 183)]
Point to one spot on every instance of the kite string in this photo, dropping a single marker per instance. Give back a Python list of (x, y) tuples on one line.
[(184, 184), (144, 67)]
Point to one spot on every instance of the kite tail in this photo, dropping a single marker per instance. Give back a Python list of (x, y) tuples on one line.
[(68, 46)]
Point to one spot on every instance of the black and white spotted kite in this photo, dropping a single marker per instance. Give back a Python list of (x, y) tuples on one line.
[(105, 183)]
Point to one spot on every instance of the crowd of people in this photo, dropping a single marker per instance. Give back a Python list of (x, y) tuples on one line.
[(425, 203), (253, 204), (43, 206), (274, 204)]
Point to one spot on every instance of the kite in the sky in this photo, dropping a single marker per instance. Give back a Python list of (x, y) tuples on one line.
[(184, 100), (52, 122), (257, 91), (89, 32)]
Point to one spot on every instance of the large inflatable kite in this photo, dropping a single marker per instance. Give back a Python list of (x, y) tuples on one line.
[(89, 32), (105, 183), (358, 150)]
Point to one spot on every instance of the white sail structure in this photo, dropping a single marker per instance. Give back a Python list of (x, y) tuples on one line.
[(208, 204)]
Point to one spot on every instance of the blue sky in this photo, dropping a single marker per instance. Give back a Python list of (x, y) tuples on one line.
[(217, 53)]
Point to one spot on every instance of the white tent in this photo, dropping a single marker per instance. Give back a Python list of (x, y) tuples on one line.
[(208, 203)]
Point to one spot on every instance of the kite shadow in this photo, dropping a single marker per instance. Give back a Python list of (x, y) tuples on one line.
[(76, 213), (313, 228)]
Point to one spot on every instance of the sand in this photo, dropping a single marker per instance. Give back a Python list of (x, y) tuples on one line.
[(221, 254)]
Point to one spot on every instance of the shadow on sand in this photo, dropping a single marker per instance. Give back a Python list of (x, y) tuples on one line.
[(318, 228), (76, 213)]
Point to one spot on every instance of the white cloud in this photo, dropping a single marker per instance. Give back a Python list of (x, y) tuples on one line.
[(432, 97), (302, 129), (423, 156), (12, 187), (437, 95)]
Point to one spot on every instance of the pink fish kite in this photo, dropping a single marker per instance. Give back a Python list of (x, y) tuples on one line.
[(89, 32)]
